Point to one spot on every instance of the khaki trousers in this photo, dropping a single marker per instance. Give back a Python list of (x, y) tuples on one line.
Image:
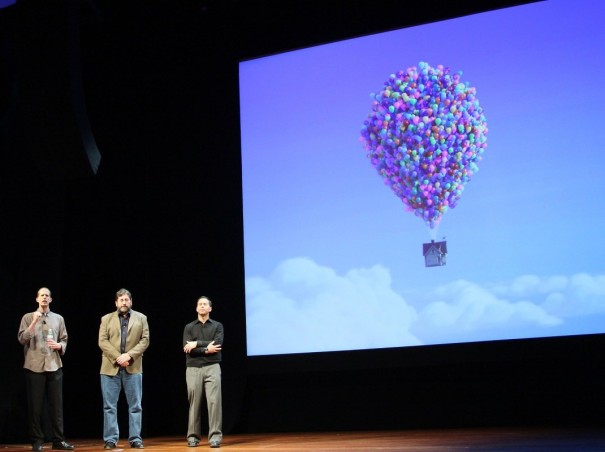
[(205, 381)]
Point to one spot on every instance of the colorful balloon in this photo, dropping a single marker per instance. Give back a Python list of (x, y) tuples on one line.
[(425, 134)]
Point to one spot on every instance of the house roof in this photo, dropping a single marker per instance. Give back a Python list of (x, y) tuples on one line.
[(441, 247)]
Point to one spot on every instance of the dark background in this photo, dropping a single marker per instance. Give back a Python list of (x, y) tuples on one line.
[(155, 84)]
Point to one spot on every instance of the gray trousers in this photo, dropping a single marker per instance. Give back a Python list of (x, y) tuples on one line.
[(205, 381)]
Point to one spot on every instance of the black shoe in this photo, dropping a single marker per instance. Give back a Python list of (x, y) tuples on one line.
[(37, 447), (63, 445), (137, 445), (109, 445)]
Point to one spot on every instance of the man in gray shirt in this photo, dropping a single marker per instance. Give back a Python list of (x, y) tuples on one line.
[(44, 338)]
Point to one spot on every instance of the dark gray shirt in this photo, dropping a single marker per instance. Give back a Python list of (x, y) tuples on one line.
[(203, 334)]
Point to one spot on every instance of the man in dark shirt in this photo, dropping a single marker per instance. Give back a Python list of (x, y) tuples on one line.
[(202, 341)]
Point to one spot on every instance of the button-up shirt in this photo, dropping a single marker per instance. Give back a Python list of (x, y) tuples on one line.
[(38, 356), (203, 334), (124, 330)]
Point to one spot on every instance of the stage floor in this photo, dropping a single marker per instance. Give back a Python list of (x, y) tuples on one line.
[(445, 440)]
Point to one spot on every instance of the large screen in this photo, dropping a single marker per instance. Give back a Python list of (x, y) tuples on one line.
[(431, 185)]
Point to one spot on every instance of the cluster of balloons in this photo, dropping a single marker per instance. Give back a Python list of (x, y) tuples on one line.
[(424, 135)]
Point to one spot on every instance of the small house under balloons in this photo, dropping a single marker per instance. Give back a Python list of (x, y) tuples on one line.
[(434, 253)]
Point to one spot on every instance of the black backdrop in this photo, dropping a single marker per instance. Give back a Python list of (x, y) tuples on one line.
[(162, 217)]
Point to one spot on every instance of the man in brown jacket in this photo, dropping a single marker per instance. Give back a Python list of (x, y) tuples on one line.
[(123, 337)]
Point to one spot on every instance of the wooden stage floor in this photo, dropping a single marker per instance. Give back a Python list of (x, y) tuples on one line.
[(483, 440)]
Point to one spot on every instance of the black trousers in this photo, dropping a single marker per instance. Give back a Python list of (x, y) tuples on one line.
[(39, 386)]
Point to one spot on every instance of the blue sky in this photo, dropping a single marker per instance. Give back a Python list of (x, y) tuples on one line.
[(329, 249)]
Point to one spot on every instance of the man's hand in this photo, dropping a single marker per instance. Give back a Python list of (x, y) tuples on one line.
[(213, 348), (37, 316), (53, 345), (190, 345), (123, 360)]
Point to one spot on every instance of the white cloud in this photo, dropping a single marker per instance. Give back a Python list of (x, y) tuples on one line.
[(563, 296), (528, 285), (305, 307), (462, 309)]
